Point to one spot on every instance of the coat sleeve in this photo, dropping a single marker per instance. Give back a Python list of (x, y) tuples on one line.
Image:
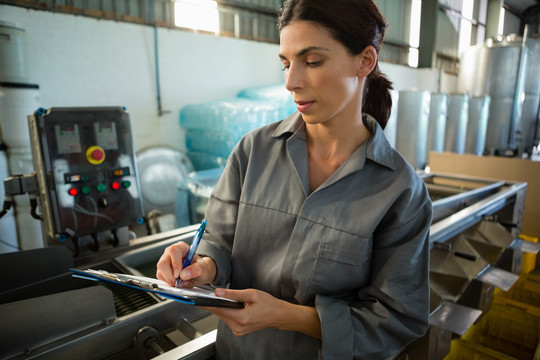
[(393, 309), (221, 213)]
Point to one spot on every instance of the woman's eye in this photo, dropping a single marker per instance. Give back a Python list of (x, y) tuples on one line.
[(313, 63)]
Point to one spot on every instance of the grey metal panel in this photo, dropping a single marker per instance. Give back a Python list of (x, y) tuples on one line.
[(198, 349), (398, 16), (447, 40), (455, 318), (29, 324), (453, 4)]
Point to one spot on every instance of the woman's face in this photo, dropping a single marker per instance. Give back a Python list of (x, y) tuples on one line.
[(322, 76)]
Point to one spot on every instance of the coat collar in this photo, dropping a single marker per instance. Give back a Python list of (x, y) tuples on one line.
[(376, 148)]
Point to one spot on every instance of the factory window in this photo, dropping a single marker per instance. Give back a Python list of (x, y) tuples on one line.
[(465, 26), (500, 29), (414, 35), (197, 15)]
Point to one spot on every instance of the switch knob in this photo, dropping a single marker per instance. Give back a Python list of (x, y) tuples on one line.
[(95, 155)]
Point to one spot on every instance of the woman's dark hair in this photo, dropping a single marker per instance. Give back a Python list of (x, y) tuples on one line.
[(356, 24)]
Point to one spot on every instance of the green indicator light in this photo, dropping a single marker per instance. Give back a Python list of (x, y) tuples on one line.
[(101, 188), (126, 184), (85, 190)]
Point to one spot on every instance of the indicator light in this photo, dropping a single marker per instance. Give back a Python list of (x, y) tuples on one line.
[(85, 190), (126, 184), (73, 191), (101, 188), (115, 185)]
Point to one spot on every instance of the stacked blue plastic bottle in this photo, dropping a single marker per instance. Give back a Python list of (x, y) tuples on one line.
[(276, 93), (213, 128)]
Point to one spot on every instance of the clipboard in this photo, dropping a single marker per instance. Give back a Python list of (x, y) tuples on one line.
[(193, 296)]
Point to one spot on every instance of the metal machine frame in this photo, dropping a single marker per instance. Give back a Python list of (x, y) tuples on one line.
[(462, 204)]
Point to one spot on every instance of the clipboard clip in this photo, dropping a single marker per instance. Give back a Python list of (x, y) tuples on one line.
[(125, 279)]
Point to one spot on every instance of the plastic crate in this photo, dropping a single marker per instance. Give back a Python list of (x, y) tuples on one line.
[(510, 327), (528, 260), (526, 290), (465, 350)]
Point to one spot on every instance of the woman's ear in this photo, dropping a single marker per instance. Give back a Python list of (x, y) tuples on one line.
[(366, 61)]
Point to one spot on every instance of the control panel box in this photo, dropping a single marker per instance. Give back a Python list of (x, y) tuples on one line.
[(85, 164)]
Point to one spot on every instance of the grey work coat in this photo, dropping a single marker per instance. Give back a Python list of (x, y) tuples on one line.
[(357, 248)]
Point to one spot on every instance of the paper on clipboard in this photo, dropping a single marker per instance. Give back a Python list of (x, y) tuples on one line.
[(193, 296)]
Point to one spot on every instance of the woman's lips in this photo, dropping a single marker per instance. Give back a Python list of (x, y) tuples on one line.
[(304, 105)]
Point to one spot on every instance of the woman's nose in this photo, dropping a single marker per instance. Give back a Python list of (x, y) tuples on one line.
[(293, 78)]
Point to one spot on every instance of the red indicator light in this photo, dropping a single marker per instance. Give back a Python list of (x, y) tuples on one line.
[(115, 185), (73, 191)]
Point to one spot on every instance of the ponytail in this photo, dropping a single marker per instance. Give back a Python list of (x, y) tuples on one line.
[(377, 99)]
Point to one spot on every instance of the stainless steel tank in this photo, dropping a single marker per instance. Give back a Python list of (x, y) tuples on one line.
[(511, 77), (391, 126), (412, 126), (456, 123), (477, 124), (438, 112)]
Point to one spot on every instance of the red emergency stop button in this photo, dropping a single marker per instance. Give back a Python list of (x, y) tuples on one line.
[(95, 155), (98, 154)]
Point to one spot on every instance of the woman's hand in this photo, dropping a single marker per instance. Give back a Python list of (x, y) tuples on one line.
[(262, 310), (169, 267)]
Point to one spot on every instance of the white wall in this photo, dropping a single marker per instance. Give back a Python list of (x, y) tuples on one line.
[(82, 61), (406, 78)]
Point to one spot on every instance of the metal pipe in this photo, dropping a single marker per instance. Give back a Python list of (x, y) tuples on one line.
[(156, 59), (519, 94)]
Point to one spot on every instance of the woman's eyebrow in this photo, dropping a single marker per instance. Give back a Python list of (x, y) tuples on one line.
[(305, 50)]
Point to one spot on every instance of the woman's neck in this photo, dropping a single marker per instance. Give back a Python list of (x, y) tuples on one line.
[(333, 140), (329, 146)]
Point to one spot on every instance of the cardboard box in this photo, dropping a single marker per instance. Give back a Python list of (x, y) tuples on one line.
[(501, 168)]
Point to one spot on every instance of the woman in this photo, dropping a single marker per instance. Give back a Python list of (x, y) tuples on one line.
[(317, 225)]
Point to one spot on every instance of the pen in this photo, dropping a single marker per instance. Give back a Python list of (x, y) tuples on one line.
[(192, 249)]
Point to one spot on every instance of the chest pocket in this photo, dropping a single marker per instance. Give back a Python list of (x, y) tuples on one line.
[(343, 263)]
